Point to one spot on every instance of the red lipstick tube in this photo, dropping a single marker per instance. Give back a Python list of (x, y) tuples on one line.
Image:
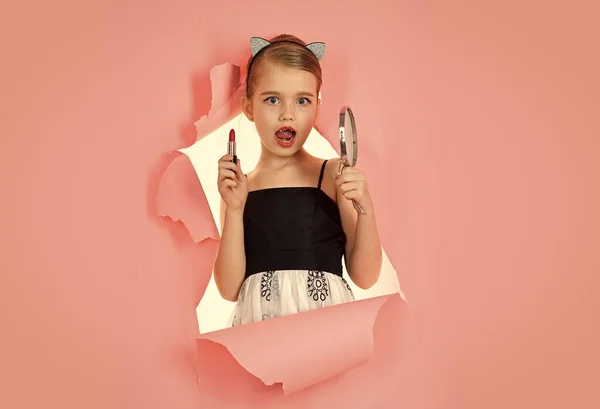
[(231, 146)]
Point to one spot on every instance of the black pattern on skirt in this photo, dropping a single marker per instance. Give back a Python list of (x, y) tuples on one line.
[(317, 285), (348, 287), (266, 283)]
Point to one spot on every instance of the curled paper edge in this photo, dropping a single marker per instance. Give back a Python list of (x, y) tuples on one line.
[(225, 86), (197, 217), (180, 197), (298, 371)]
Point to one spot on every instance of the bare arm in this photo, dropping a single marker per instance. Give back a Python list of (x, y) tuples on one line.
[(363, 247), (230, 264)]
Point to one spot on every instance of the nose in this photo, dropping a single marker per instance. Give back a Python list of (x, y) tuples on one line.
[(287, 112)]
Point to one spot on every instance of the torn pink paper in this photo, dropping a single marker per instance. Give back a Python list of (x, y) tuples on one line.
[(373, 362), (290, 360), (297, 370), (226, 89), (181, 198), (491, 215)]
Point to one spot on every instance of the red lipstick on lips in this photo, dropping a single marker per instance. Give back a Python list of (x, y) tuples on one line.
[(231, 145), (285, 136)]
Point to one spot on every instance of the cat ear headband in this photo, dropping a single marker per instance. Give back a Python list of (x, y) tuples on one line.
[(257, 44)]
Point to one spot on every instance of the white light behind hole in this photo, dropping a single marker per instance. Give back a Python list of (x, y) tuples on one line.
[(213, 311)]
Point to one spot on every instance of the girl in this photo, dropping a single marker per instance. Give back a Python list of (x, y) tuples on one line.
[(288, 223)]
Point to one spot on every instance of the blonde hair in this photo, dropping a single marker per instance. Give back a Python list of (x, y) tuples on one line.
[(286, 50)]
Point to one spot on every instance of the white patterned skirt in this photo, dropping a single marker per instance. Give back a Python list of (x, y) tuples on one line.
[(273, 294)]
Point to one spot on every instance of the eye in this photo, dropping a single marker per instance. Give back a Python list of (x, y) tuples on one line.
[(303, 101), (272, 100)]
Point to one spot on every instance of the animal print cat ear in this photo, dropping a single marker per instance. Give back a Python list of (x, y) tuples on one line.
[(318, 49), (257, 44)]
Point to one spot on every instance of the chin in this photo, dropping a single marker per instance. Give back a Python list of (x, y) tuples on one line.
[(285, 152)]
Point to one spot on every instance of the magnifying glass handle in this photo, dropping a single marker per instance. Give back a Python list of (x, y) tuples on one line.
[(360, 209), (356, 205)]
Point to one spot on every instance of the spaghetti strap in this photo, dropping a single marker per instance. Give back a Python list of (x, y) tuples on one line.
[(321, 175)]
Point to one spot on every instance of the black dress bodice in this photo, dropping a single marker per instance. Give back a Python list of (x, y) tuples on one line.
[(293, 228)]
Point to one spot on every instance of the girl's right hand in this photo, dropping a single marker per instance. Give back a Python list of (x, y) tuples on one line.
[(233, 184)]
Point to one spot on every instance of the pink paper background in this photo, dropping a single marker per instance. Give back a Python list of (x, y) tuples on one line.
[(480, 135)]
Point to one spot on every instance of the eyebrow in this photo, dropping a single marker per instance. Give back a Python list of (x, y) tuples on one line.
[(310, 94)]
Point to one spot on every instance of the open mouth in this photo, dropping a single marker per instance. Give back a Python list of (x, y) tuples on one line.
[(285, 135)]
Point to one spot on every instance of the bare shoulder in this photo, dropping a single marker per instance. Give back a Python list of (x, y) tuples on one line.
[(330, 167), (333, 165), (329, 174)]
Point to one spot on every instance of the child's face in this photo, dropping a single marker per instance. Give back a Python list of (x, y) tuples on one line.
[(284, 108)]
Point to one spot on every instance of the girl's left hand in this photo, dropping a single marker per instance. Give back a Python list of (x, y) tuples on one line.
[(353, 185)]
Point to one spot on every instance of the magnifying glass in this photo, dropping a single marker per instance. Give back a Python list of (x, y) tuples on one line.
[(348, 144)]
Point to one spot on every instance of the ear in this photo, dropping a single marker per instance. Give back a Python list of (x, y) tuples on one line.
[(247, 109), (319, 98), (318, 108)]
